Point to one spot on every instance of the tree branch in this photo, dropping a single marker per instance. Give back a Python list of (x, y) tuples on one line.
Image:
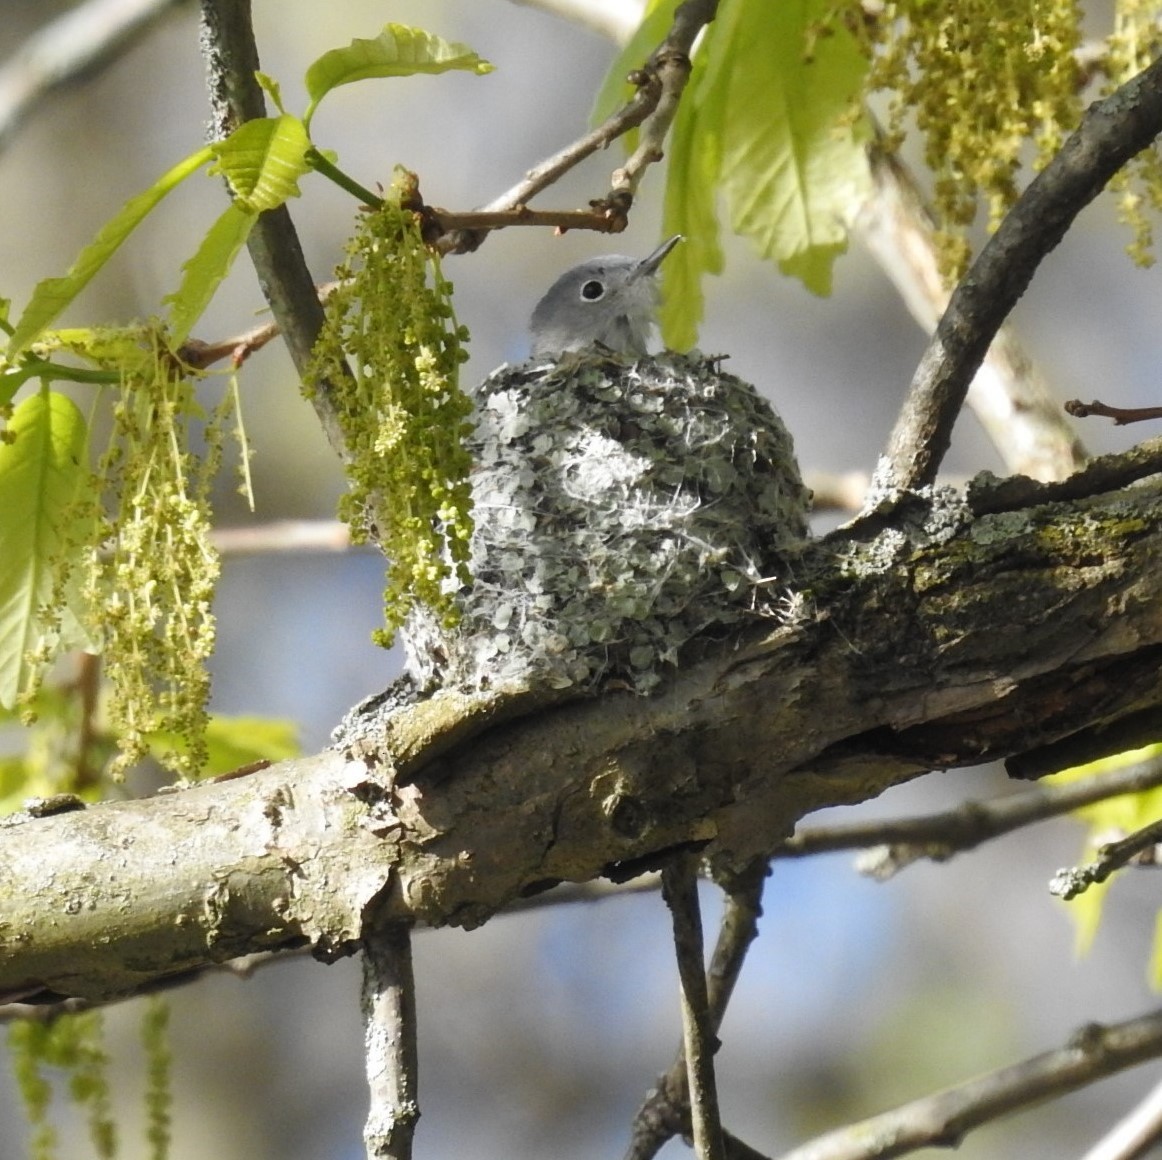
[(1120, 415), (976, 639), (898, 842), (1111, 132), (665, 1112), (660, 81), (1112, 856), (699, 1041), (235, 97), (390, 1041), (943, 1119)]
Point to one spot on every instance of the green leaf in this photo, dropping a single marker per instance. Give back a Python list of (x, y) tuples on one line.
[(793, 171), (689, 208), (204, 272), (53, 294), (233, 742), (263, 161), (40, 472), (398, 51), (271, 88)]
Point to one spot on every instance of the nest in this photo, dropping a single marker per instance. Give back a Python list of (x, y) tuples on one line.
[(624, 510)]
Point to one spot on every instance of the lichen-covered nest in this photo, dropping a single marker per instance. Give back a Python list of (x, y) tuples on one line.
[(623, 508)]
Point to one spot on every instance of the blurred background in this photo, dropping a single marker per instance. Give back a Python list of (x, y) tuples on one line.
[(541, 1032)]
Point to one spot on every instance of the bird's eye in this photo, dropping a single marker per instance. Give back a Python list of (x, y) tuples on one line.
[(592, 290)]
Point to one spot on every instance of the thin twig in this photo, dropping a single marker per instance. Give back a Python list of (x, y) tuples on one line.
[(680, 890), (1111, 132), (942, 1120), (660, 83), (82, 41), (1133, 1135), (1074, 880), (389, 1042), (665, 1112), (1120, 415), (896, 843)]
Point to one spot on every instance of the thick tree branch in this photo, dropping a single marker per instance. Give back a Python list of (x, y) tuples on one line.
[(1111, 132), (941, 1120), (948, 641)]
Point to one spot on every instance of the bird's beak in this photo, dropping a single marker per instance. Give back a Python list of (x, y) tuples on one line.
[(648, 267)]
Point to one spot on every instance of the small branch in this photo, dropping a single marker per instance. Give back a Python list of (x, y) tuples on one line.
[(665, 1112), (943, 1119), (1130, 1138), (1120, 415), (510, 207), (1075, 880), (896, 843), (235, 97), (1111, 132), (601, 218), (200, 355), (680, 890), (1106, 473), (389, 1041), (76, 44), (660, 83)]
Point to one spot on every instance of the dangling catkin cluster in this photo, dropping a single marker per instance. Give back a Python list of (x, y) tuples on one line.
[(982, 79), (623, 508), (389, 355)]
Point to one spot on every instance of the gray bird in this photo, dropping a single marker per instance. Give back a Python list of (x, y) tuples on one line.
[(610, 302)]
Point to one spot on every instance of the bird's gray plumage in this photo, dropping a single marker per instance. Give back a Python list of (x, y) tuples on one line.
[(608, 302)]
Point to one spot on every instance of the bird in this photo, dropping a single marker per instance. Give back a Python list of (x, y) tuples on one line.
[(628, 507), (608, 302)]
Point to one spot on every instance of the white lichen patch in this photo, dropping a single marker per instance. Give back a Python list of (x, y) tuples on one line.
[(622, 509)]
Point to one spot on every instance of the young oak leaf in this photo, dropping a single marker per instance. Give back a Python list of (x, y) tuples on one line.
[(398, 51), (40, 473)]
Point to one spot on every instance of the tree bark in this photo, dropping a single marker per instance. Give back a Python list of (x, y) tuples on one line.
[(945, 639)]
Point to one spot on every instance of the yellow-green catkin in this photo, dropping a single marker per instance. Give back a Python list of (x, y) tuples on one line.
[(991, 85), (1134, 43), (74, 1045), (145, 576), (158, 1072), (388, 362)]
